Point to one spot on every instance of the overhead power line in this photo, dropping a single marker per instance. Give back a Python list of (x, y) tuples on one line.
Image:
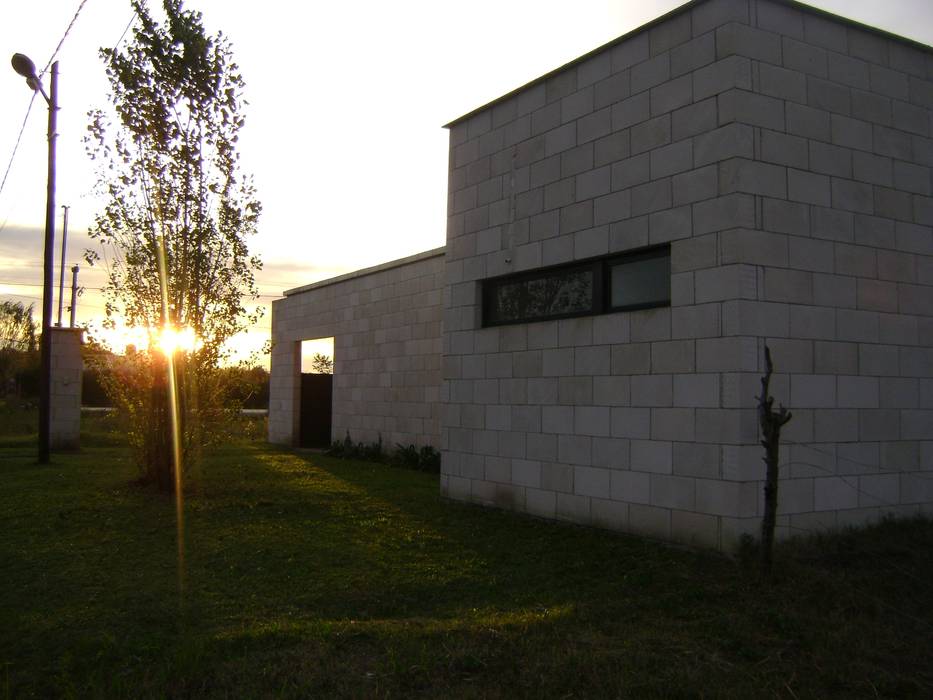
[(64, 36)]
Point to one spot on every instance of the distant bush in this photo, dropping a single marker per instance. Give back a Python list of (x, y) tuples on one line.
[(425, 459)]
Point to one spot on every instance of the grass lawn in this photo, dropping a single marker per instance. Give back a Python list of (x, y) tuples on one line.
[(309, 577)]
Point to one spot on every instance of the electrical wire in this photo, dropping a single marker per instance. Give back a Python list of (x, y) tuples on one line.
[(64, 36)]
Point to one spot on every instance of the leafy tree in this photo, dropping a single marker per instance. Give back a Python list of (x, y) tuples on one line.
[(177, 214), (19, 357), (322, 364), (17, 327)]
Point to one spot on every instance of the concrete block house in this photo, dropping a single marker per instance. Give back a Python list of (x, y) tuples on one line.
[(625, 235)]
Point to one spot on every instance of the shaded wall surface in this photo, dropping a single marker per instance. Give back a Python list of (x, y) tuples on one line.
[(386, 325), (785, 156), (65, 407)]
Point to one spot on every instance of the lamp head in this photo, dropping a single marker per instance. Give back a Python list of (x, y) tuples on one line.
[(23, 65)]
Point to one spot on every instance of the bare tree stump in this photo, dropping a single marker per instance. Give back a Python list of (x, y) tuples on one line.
[(771, 423)]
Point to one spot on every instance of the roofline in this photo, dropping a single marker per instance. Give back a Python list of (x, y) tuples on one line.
[(663, 18), (401, 262)]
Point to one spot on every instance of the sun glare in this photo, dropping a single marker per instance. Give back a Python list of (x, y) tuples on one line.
[(172, 340)]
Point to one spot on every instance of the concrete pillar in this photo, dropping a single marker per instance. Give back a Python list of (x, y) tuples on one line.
[(285, 393), (67, 368)]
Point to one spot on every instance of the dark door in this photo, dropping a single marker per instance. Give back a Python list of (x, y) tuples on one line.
[(316, 393)]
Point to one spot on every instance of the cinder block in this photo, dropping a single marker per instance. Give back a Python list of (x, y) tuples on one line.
[(576, 105), (631, 487), (632, 358), (879, 424), (805, 186), (611, 328), (612, 453), (784, 149), (755, 318), (696, 185), (590, 481), (782, 83), (810, 254), (805, 58), (612, 391), (755, 247), (672, 424), (612, 89), (651, 134), (651, 324), (609, 514), (652, 390), (830, 160), (835, 493), (710, 15), (612, 207), (795, 496), (729, 498), (877, 295), (852, 196), (575, 449), (729, 141), (848, 71), (573, 508), (734, 354), (828, 96), (693, 54), (696, 390), (727, 426), (728, 282), (669, 160), (753, 177), (696, 459), (701, 321), (593, 421), (831, 224), (632, 423), (557, 477), (751, 108), (889, 82), (728, 73), (540, 503), (652, 72), (671, 95), (903, 393), (675, 492), (857, 326), (651, 456), (650, 521), (808, 122), (870, 106)]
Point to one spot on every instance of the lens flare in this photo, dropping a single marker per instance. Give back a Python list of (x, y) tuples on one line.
[(171, 340)]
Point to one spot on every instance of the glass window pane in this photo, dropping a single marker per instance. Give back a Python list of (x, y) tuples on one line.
[(642, 282), (559, 293)]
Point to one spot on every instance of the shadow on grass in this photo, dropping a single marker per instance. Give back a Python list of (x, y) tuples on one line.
[(307, 577)]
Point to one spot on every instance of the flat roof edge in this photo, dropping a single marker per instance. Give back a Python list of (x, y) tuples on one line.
[(663, 18), (382, 267)]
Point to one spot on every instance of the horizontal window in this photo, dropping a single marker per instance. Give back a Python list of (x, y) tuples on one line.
[(638, 280)]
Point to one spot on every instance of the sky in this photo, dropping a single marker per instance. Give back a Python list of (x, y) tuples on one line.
[(344, 133)]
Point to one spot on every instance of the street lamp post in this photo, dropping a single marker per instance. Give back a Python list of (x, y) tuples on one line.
[(26, 68)]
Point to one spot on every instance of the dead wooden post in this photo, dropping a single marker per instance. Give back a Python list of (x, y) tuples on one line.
[(771, 424)]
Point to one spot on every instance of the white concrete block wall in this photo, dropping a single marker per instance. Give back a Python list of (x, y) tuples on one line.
[(786, 157), (386, 325), (65, 390)]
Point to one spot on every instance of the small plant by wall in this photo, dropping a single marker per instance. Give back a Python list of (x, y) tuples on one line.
[(425, 458)]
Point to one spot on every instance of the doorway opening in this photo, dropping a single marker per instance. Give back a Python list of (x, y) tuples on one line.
[(317, 392)]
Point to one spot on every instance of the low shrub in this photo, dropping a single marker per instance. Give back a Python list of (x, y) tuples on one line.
[(425, 458)]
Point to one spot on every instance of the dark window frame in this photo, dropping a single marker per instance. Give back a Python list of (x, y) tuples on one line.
[(601, 269)]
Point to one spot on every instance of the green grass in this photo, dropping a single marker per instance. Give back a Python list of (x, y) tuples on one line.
[(310, 577)]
